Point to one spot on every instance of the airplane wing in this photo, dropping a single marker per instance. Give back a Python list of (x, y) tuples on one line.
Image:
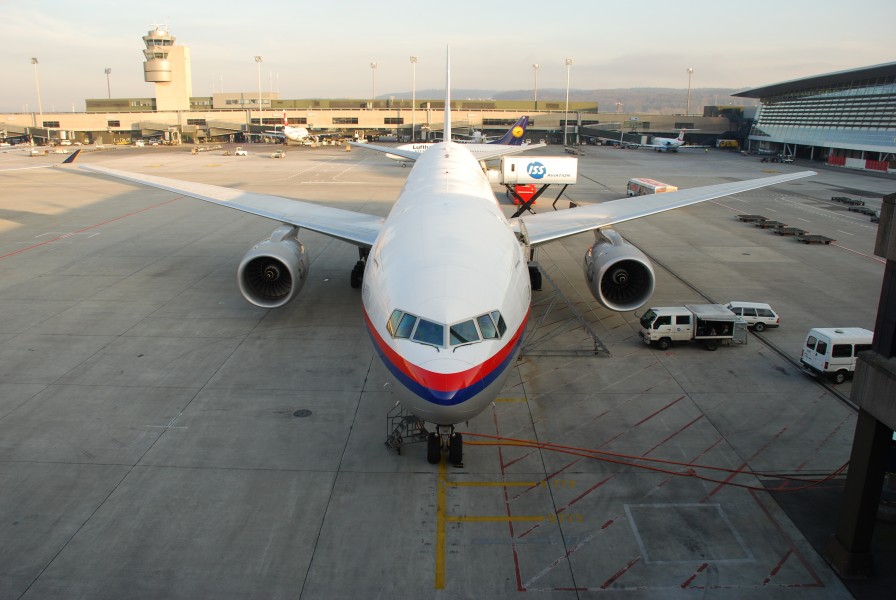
[(356, 228), (546, 227), (489, 151), (408, 154), (28, 150)]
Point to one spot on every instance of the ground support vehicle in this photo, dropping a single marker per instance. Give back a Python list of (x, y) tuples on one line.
[(711, 324), (832, 351), (640, 186)]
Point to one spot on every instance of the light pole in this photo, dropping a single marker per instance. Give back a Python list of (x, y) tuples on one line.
[(260, 114), (108, 84), (40, 108), (688, 109), (373, 83), (535, 68), (413, 99), (566, 116)]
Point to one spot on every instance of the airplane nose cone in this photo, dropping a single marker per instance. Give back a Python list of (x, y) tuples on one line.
[(447, 376)]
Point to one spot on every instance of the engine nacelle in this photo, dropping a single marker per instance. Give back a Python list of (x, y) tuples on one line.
[(274, 270), (619, 276)]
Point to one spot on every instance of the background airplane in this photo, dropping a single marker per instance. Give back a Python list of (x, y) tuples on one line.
[(662, 144), (445, 279), (513, 137), (288, 132)]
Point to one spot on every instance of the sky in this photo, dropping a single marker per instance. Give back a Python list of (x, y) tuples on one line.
[(323, 49)]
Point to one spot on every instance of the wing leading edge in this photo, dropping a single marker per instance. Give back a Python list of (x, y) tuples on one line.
[(353, 227), (546, 227)]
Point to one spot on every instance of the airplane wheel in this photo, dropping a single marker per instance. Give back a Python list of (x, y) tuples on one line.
[(433, 448), (357, 274), (534, 277), (456, 450)]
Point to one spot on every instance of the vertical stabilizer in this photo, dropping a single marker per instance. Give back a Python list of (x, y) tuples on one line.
[(446, 137)]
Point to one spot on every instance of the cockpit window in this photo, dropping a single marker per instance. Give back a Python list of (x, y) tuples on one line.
[(402, 325), (487, 327), (464, 333), (499, 321), (394, 319), (405, 326), (428, 332)]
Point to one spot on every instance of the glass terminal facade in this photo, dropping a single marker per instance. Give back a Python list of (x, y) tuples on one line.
[(846, 118)]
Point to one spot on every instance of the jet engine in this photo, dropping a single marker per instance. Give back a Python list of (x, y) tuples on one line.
[(274, 270), (618, 274)]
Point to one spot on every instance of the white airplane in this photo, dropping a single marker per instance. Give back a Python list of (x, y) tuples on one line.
[(661, 144), (445, 279), (293, 134), (513, 137)]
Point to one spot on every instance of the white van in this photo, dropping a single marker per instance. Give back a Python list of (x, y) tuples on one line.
[(756, 314), (833, 351)]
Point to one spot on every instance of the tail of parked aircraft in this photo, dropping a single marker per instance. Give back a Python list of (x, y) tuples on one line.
[(514, 135), (680, 137)]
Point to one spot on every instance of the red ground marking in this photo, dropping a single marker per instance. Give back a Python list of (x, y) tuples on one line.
[(620, 573), (71, 233)]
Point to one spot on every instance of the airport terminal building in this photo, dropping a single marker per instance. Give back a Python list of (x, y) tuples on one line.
[(175, 115), (846, 118)]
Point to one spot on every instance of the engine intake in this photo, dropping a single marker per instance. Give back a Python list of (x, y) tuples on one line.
[(273, 272), (619, 276)]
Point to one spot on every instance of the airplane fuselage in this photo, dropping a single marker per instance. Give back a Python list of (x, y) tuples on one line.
[(295, 134), (448, 258)]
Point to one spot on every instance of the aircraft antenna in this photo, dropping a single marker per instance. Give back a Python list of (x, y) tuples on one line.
[(446, 137)]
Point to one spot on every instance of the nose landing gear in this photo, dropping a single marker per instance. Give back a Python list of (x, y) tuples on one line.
[(445, 439)]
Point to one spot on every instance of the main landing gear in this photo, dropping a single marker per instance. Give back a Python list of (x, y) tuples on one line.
[(357, 277), (444, 438)]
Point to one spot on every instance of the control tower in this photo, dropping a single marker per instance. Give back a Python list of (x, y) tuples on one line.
[(167, 66)]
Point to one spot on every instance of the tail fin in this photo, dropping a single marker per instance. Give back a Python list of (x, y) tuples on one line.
[(681, 135), (446, 137), (285, 121), (514, 135)]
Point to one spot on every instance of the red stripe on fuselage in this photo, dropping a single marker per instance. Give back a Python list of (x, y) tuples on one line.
[(446, 382)]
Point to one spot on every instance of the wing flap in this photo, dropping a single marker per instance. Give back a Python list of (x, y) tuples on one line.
[(546, 227), (356, 228)]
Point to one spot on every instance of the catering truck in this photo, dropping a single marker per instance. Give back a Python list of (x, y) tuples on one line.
[(712, 324), (535, 170), (640, 186)]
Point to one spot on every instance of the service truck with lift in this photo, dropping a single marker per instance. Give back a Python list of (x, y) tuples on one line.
[(712, 324)]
